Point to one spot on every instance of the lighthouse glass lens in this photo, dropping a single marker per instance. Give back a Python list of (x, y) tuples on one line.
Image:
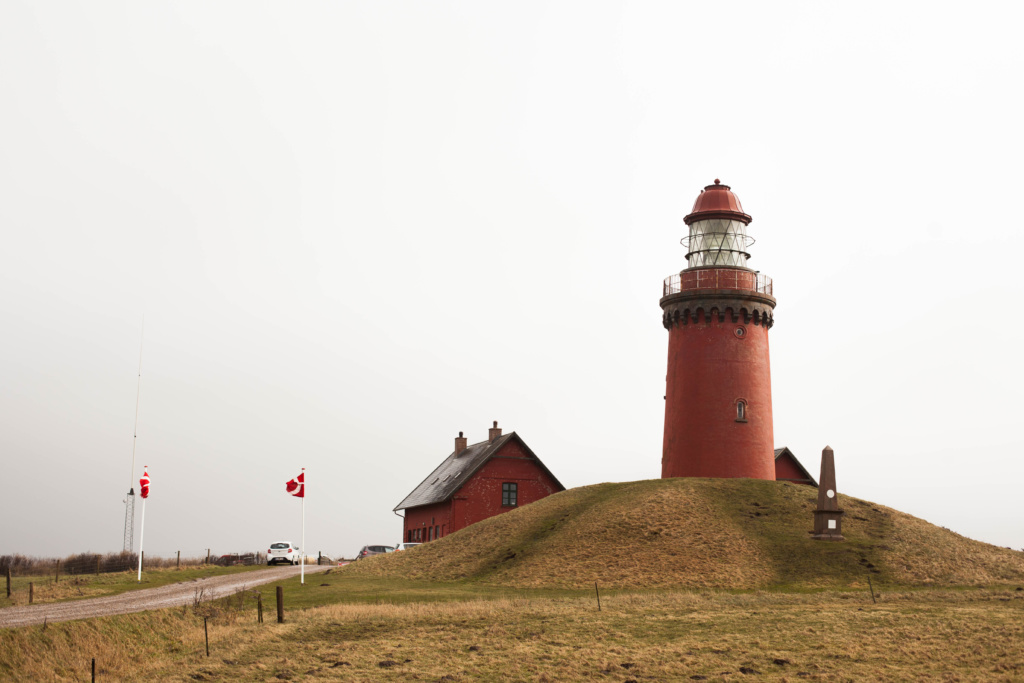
[(718, 242)]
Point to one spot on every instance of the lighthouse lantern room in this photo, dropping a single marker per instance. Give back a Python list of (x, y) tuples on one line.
[(718, 404)]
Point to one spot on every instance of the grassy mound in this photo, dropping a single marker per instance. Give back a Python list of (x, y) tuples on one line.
[(724, 533)]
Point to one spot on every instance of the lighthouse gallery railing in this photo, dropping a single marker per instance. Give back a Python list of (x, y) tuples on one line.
[(718, 278)]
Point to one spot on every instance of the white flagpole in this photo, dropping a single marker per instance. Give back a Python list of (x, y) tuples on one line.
[(302, 570), (142, 531)]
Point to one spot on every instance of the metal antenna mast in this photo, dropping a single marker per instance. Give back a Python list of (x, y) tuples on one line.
[(129, 510)]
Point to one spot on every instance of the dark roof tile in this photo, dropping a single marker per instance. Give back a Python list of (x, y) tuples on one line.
[(451, 474)]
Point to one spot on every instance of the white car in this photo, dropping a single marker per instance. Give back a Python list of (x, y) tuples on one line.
[(405, 546), (283, 551)]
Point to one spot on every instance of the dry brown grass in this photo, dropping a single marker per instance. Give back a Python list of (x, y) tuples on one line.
[(727, 533), (929, 634), (46, 590), (658, 535), (922, 553), (631, 534), (125, 646)]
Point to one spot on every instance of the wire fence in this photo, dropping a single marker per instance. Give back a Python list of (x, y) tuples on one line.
[(97, 563)]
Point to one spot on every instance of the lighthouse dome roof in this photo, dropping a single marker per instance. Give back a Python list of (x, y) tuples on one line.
[(717, 201)]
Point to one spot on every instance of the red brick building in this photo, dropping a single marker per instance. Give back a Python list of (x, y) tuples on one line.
[(474, 483), (788, 468)]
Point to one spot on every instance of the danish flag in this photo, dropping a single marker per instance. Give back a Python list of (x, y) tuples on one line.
[(297, 486), (144, 484)]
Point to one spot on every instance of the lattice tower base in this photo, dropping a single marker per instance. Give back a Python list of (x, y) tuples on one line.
[(129, 521)]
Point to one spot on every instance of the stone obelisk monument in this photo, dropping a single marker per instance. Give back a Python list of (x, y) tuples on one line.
[(828, 518)]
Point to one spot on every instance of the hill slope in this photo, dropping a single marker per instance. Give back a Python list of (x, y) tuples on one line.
[(728, 533)]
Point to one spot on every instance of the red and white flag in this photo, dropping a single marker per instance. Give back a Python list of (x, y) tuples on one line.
[(297, 486), (144, 484)]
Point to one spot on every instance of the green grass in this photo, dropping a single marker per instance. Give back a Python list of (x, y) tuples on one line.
[(926, 634), (81, 586), (340, 587)]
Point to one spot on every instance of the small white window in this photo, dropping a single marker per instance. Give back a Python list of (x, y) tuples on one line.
[(831, 524), (741, 411)]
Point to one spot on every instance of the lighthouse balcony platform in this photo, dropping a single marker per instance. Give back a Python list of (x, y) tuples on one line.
[(720, 279)]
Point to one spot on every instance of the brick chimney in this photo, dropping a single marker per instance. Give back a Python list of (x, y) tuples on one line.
[(494, 432), (460, 443)]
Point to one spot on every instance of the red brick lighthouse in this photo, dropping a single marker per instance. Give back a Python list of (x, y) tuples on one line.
[(718, 402)]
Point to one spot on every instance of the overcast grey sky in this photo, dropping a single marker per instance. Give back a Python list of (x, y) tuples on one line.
[(355, 229)]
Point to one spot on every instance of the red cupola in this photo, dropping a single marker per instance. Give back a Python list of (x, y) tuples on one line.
[(718, 404), (717, 201)]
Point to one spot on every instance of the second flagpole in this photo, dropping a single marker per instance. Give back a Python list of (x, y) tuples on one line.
[(144, 492), (142, 533), (302, 570)]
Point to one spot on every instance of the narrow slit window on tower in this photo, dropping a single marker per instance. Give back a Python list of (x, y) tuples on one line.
[(741, 411)]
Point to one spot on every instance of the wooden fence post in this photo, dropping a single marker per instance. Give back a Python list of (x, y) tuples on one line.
[(259, 608), (31, 591), (93, 670), (177, 564), (280, 604), (206, 633), (142, 560), (207, 556)]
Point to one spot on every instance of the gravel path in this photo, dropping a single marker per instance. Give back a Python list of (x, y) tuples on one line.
[(173, 595)]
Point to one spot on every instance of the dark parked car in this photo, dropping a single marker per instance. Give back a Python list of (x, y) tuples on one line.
[(236, 559), (374, 550)]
